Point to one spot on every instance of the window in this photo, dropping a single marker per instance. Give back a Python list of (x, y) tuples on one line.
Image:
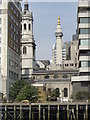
[(65, 76), (29, 26), (84, 20), (0, 60), (57, 92), (65, 92), (46, 77), (84, 41), (21, 27), (0, 49), (27, 71), (24, 26), (0, 20), (84, 31), (0, 30), (85, 64), (83, 9), (55, 76), (24, 50), (0, 39)]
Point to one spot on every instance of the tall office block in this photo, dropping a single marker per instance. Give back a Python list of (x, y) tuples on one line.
[(9, 44), (82, 82)]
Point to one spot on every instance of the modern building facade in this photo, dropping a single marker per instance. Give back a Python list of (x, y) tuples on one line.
[(27, 43), (9, 44), (82, 82)]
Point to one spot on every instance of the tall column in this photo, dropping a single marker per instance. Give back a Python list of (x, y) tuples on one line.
[(59, 43)]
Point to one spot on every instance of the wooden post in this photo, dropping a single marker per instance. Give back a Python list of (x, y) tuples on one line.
[(77, 112), (58, 112), (48, 112), (39, 111), (86, 112), (29, 112), (43, 114), (14, 112), (5, 112), (20, 112), (67, 112)]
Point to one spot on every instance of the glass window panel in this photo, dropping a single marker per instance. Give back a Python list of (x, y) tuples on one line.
[(84, 41), (85, 64), (85, 31), (84, 20)]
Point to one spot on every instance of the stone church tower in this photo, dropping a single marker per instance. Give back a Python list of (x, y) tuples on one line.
[(27, 43)]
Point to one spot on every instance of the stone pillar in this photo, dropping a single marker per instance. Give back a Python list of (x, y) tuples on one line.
[(29, 112), (14, 112), (39, 111), (77, 112), (58, 112), (67, 112), (5, 112), (48, 112), (20, 112)]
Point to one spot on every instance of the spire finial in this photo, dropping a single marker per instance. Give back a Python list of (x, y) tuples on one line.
[(26, 5), (58, 20)]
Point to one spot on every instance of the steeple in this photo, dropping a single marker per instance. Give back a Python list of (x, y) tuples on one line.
[(26, 5)]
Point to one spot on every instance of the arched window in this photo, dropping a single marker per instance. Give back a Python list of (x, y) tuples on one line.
[(57, 92), (29, 26), (49, 91), (25, 26), (65, 92), (21, 26), (24, 50)]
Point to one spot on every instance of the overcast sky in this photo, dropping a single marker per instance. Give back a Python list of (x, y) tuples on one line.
[(45, 16)]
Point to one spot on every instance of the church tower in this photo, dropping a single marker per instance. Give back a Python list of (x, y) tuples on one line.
[(59, 36), (27, 43)]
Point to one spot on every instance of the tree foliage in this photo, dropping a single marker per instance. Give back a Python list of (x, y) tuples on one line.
[(82, 95), (15, 88), (28, 92)]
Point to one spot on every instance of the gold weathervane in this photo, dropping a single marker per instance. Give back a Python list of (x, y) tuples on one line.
[(58, 20)]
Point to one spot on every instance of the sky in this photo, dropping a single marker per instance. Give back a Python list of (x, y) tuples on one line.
[(45, 16)]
